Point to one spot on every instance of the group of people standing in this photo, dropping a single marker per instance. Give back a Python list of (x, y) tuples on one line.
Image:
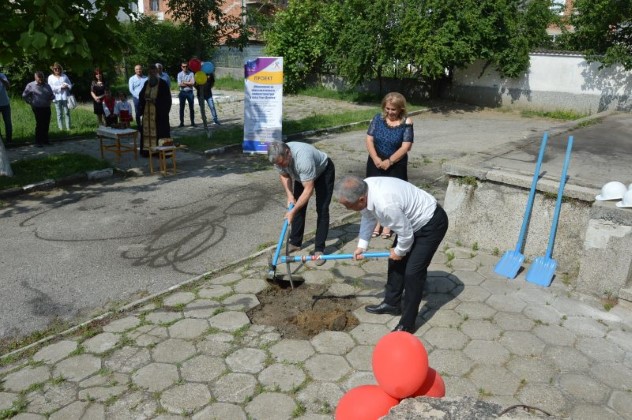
[(387, 201), (40, 93), (152, 101), (151, 96)]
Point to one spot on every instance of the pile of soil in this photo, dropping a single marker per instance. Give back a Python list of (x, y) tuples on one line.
[(305, 311)]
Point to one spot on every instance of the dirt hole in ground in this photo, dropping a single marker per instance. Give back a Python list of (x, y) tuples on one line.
[(305, 311)]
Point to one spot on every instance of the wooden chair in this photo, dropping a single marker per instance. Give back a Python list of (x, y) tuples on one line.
[(165, 150)]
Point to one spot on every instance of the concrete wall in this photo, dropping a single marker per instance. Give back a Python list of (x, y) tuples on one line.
[(593, 239), (552, 82)]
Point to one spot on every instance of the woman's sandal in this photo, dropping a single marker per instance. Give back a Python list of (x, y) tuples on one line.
[(387, 235), (375, 234)]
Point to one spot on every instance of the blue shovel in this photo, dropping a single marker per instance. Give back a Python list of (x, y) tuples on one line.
[(304, 258), (272, 268), (542, 269), (512, 260)]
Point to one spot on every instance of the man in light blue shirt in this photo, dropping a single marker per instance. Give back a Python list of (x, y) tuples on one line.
[(186, 81), (135, 84), (303, 170), (5, 108), (420, 225)]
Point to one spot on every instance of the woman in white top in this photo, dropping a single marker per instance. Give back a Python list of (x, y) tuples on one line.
[(60, 83)]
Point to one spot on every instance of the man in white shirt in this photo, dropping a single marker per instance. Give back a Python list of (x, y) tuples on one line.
[(420, 224), (135, 84)]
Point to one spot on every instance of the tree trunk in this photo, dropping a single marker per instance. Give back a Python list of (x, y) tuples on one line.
[(5, 166)]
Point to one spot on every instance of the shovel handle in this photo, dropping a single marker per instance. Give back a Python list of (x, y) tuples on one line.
[(530, 199), (281, 237), (303, 258), (560, 195)]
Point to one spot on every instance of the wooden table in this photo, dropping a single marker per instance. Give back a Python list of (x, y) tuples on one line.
[(119, 135)]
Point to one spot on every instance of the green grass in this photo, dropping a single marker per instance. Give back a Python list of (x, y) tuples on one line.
[(560, 114), (229, 83), (82, 120), (28, 171)]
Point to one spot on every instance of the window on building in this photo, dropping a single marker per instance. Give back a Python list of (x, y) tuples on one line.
[(154, 5)]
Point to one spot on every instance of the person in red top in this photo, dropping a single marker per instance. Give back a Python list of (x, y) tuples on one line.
[(108, 108)]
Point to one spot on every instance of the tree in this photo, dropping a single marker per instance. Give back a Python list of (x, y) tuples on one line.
[(208, 21), (80, 33), (300, 35), (177, 42), (365, 39), (603, 31), (365, 43)]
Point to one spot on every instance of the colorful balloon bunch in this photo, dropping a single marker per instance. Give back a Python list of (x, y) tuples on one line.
[(201, 70), (400, 366)]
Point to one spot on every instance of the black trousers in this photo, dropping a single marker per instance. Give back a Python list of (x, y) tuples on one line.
[(398, 170), (42, 123), (324, 189), (407, 277)]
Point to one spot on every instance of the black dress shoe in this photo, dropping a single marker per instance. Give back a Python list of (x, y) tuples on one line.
[(400, 327), (383, 308)]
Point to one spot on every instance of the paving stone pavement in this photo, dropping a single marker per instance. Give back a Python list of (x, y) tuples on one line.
[(193, 353)]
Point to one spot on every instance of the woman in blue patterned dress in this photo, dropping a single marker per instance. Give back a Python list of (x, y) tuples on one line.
[(388, 141)]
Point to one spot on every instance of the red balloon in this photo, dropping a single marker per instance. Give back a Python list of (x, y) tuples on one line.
[(195, 65), (400, 364), (366, 402), (433, 386)]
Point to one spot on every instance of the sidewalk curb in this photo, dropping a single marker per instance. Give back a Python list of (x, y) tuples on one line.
[(49, 184), (304, 134), (144, 300), (100, 174)]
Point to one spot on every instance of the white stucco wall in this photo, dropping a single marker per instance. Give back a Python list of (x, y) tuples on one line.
[(552, 81)]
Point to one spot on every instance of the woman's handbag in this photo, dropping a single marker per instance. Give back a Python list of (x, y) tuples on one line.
[(72, 102)]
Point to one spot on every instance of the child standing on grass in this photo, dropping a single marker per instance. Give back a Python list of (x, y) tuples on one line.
[(122, 110)]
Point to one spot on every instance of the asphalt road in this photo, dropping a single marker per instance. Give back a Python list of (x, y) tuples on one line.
[(72, 253)]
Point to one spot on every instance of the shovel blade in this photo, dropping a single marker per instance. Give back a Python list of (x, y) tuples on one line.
[(509, 264), (541, 271)]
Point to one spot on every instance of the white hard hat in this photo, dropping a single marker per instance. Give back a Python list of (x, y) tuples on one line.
[(612, 191), (627, 200)]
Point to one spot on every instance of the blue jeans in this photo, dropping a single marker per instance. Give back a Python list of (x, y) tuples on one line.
[(8, 126), (211, 106), (61, 109), (186, 95)]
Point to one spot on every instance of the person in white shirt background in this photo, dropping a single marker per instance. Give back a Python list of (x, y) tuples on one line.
[(60, 83), (135, 84), (420, 224)]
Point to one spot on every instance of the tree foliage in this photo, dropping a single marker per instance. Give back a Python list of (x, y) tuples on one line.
[(299, 35), (77, 33), (209, 22), (603, 31), (364, 39), (177, 42)]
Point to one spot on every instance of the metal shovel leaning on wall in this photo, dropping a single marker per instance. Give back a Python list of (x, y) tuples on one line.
[(543, 268), (512, 260)]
